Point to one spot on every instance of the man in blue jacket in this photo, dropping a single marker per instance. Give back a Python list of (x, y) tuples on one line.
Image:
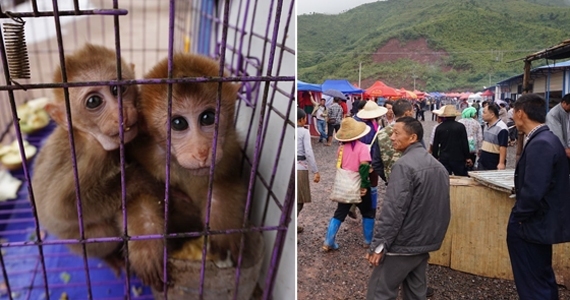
[(541, 215)]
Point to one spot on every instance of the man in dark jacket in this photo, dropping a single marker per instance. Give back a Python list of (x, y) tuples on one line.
[(413, 220), (450, 144), (541, 215)]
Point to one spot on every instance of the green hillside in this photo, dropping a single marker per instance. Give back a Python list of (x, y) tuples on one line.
[(443, 44)]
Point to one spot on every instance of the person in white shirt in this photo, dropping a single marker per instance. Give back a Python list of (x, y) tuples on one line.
[(320, 112)]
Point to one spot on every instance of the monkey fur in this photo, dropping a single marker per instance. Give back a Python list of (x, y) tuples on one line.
[(192, 134), (95, 120)]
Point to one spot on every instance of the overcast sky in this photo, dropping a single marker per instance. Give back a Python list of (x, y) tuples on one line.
[(327, 6)]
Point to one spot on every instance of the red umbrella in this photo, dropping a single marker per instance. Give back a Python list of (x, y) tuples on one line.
[(487, 93)]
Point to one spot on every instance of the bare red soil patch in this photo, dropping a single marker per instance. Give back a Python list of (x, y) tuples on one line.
[(416, 50)]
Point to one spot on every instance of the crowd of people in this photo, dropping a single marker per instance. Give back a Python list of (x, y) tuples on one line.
[(386, 142)]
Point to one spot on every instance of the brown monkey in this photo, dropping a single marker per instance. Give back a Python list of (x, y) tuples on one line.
[(192, 124), (95, 122)]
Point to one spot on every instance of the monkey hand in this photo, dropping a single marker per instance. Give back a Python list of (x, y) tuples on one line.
[(146, 261), (116, 262)]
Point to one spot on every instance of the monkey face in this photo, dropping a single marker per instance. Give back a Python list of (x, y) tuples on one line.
[(94, 109), (192, 137), (95, 113), (192, 121), (98, 114)]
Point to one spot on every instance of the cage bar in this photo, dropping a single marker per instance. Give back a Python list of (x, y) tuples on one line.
[(254, 42)]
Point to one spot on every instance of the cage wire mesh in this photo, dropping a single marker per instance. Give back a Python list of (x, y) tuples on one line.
[(254, 39)]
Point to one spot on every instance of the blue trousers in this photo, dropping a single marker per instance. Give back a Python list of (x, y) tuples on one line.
[(532, 266), (321, 126)]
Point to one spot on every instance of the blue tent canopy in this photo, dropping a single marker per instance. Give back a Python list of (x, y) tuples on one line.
[(341, 85), (304, 86)]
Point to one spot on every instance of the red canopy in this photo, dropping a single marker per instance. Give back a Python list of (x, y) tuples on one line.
[(419, 93), (379, 89), (487, 93), (464, 95), (408, 94)]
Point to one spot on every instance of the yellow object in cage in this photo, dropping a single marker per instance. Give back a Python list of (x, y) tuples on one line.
[(186, 44), (192, 250)]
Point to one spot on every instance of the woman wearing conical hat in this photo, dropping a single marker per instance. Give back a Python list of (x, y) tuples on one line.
[(354, 156)]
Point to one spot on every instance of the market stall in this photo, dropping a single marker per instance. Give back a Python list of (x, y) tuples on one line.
[(476, 238)]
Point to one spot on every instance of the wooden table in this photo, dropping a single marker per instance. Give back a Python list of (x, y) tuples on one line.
[(476, 238)]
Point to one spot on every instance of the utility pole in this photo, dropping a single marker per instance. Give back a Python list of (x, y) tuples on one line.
[(414, 76), (359, 73)]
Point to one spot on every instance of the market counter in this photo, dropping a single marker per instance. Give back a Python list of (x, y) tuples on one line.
[(476, 238)]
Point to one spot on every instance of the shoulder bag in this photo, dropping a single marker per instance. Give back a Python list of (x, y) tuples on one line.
[(346, 187)]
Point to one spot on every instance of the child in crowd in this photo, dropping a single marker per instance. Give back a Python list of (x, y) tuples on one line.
[(305, 161)]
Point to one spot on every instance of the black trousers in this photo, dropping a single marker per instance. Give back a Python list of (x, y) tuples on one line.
[(532, 266), (365, 208), (332, 128), (420, 114), (456, 167)]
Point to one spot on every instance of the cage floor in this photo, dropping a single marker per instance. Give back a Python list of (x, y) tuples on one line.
[(65, 274)]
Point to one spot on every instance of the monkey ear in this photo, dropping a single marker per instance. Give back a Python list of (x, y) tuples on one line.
[(236, 88), (57, 113)]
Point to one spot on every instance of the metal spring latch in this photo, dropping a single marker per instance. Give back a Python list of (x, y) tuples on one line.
[(16, 49)]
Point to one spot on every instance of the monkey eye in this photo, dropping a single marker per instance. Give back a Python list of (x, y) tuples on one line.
[(207, 118), (178, 123), (115, 90), (93, 102)]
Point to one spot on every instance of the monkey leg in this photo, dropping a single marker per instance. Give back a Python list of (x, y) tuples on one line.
[(109, 252), (145, 217), (184, 217), (226, 213)]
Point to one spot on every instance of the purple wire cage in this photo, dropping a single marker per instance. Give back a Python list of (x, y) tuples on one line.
[(254, 40)]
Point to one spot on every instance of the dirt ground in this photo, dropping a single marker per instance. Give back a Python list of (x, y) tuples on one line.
[(344, 274)]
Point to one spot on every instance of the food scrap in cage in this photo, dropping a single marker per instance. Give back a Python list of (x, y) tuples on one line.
[(96, 133)]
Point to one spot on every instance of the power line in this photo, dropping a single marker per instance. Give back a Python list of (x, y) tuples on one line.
[(421, 52)]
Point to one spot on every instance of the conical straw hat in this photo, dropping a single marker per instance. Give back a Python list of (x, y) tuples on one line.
[(371, 110), (351, 130), (449, 111)]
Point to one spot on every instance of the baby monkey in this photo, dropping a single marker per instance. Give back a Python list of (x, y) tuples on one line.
[(95, 119), (192, 134)]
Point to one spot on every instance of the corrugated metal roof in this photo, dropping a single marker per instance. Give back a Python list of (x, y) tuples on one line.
[(559, 51), (502, 180), (564, 64)]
